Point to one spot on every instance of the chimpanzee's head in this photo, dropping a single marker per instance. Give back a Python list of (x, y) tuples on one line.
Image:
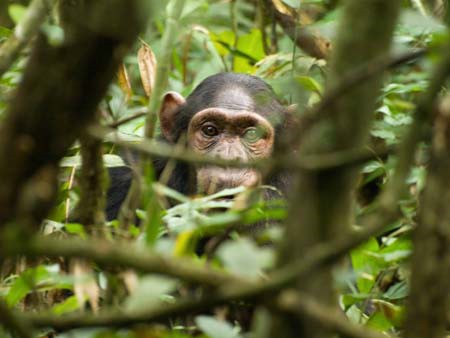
[(231, 116)]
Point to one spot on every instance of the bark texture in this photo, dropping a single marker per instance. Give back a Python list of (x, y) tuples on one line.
[(57, 98), (430, 288), (91, 208), (321, 209)]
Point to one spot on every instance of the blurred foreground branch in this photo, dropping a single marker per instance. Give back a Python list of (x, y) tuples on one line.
[(326, 213), (232, 288), (25, 30), (295, 26), (14, 322), (54, 103), (301, 304)]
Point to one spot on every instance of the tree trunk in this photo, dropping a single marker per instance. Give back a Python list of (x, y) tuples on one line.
[(57, 98), (430, 275), (322, 206)]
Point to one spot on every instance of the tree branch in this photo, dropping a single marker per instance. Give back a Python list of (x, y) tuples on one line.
[(54, 103), (25, 30), (327, 212), (233, 288), (301, 304), (15, 323), (308, 40), (116, 254)]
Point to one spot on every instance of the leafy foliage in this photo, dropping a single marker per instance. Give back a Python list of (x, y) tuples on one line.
[(373, 286)]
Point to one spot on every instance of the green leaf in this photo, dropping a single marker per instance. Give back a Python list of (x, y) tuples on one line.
[(25, 283), (355, 315), (384, 134), (108, 159), (293, 3), (215, 328), (310, 84), (397, 291), (76, 229), (366, 265), (245, 258), (350, 299), (16, 12), (69, 305), (379, 322), (4, 32), (150, 291), (54, 34)]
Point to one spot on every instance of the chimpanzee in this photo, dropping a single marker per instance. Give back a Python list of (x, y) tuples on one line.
[(229, 115)]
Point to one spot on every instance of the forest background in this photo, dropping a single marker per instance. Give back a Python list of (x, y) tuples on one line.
[(362, 249)]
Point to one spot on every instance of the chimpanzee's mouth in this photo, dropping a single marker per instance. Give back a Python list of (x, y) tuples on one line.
[(212, 179)]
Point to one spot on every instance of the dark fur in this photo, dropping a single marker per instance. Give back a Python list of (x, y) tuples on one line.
[(254, 95)]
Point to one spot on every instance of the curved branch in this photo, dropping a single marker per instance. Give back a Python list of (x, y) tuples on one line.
[(308, 40)]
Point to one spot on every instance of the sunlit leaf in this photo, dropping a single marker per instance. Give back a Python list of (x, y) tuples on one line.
[(124, 81), (245, 258), (149, 292), (25, 283), (310, 84), (215, 328), (69, 305), (16, 12)]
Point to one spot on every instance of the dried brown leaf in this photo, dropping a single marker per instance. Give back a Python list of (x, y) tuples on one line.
[(147, 68), (124, 81)]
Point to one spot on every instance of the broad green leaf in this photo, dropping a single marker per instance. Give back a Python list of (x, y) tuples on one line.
[(25, 283), (245, 258), (185, 244), (392, 313), (350, 299), (215, 328), (149, 292), (366, 265), (310, 84), (379, 322), (397, 291), (76, 229), (69, 305), (16, 12), (222, 40), (355, 315)]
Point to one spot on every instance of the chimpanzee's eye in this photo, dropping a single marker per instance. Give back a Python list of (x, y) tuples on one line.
[(210, 131), (252, 135)]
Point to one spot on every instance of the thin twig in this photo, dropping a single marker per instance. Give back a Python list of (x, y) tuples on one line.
[(128, 119), (309, 162)]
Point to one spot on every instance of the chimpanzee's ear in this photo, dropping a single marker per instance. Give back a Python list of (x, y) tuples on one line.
[(290, 129), (291, 120), (170, 104)]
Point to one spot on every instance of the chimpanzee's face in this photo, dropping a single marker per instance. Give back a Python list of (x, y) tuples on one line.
[(231, 135), (224, 118)]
